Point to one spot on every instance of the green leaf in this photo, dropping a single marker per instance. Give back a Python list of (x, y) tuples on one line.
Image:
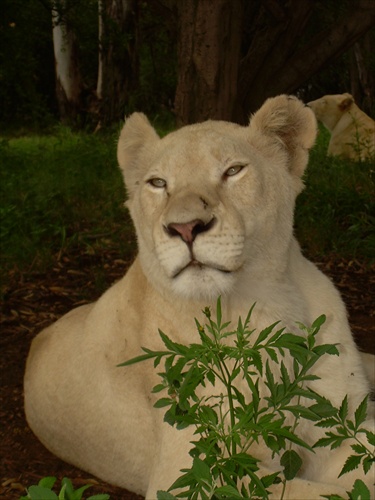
[(303, 412), (270, 380), (351, 463), (275, 336), (173, 346), (370, 437), (331, 349), (211, 377), (77, 495), (288, 339), (165, 495), (361, 413), (367, 463), (170, 415), (228, 492), (248, 317), (292, 437), (255, 357), (324, 409), (47, 482), (359, 449), (272, 354), (292, 463), (41, 493), (343, 411), (158, 388), (265, 333), (360, 491), (317, 324), (142, 357), (100, 496), (284, 375), (201, 471), (271, 479), (161, 403), (218, 311), (62, 493)]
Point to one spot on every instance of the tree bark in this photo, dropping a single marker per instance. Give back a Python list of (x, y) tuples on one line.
[(289, 63), (118, 65), (68, 77), (208, 58), (279, 45), (361, 77)]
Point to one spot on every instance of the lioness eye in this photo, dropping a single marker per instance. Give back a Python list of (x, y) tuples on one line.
[(234, 170), (158, 183)]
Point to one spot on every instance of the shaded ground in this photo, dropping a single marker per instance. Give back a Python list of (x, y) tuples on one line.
[(33, 301)]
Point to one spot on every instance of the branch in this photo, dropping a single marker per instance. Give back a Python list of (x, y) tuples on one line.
[(273, 42), (326, 46)]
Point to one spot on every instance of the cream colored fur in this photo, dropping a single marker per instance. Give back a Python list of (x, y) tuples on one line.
[(241, 184), (352, 131)]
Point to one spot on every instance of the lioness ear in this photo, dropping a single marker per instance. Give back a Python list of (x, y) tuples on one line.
[(136, 134), (346, 102), (290, 125)]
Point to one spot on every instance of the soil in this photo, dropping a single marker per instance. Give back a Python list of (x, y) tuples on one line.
[(34, 300)]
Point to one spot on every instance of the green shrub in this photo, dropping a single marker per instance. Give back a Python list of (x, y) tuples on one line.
[(58, 191), (43, 491), (228, 423), (334, 214)]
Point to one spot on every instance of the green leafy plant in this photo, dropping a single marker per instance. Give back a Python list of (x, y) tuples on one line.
[(343, 429), (43, 491), (203, 383)]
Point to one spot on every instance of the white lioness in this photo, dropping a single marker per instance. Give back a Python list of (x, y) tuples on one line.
[(352, 131), (212, 205)]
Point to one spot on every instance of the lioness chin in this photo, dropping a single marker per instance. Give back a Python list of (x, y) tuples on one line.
[(212, 205)]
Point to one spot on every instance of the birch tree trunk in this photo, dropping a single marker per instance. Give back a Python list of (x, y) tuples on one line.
[(68, 77)]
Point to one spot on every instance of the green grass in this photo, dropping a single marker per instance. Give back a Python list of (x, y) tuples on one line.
[(65, 190), (335, 212), (58, 191)]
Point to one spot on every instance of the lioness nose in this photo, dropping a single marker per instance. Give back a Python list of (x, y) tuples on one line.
[(189, 230)]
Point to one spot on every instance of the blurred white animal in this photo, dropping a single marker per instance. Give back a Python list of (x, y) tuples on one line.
[(352, 131)]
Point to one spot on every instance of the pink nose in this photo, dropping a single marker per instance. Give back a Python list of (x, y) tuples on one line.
[(188, 230)]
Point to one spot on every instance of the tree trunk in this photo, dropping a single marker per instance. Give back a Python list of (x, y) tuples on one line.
[(281, 49), (208, 58), (287, 63), (68, 77), (361, 77), (118, 66)]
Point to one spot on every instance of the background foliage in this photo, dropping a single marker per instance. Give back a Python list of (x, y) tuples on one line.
[(65, 190), (27, 74)]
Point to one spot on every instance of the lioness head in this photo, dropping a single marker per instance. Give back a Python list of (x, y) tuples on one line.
[(330, 108), (214, 201)]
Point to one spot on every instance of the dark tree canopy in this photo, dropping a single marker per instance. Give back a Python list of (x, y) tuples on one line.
[(197, 59)]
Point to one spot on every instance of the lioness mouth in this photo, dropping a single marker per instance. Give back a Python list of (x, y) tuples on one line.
[(200, 265)]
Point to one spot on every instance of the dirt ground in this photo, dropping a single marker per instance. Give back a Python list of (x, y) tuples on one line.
[(32, 301)]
